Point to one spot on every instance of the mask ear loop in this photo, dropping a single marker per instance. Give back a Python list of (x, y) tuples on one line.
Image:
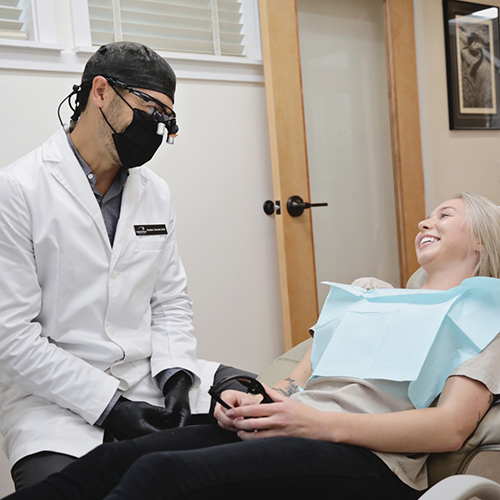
[(74, 107), (123, 99), (104, 116)]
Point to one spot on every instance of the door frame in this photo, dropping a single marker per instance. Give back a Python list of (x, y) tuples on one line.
[(282, 71)]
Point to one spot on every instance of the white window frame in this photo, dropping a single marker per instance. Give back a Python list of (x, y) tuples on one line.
[(45, 53), (16, 53)]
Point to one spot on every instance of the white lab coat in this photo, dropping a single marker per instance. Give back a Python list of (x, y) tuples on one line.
[(79, 319)]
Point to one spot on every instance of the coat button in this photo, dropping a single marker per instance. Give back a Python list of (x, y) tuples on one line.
[(114, 274), (111, 329)]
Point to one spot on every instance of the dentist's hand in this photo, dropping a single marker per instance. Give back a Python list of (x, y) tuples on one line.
[(176, 393), (131, 419)]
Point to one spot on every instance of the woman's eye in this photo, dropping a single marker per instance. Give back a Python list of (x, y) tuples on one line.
[(444, 215)]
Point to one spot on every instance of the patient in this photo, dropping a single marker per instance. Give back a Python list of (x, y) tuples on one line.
[(369, 412)]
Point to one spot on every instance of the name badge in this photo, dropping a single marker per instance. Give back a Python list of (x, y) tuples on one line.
[(150, 230)]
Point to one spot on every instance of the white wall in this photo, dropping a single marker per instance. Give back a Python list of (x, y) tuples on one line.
[(454, 160), (219, 172)]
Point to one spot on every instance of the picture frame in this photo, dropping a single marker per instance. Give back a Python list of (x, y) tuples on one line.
[(472, 55)]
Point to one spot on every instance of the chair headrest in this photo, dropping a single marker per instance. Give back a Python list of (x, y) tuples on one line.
[(417, 279)]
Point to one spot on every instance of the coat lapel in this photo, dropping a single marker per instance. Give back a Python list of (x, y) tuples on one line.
[(70, 175)]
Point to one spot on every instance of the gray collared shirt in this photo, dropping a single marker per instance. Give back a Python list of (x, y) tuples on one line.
[(111, 202)]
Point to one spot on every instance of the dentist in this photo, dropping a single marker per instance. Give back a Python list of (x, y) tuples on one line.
[(96, 334)]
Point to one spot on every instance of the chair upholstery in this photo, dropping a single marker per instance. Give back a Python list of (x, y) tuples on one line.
[(417, 279), (284, 365), (485, 438)]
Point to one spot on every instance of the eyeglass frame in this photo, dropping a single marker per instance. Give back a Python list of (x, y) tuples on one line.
[(169, 120), (252, 384)]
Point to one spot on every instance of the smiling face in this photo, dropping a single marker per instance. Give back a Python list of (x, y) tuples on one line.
[(444, 242)]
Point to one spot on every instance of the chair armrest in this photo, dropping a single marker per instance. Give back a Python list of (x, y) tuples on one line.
[(485, 438), (463, 488), (285, 364)]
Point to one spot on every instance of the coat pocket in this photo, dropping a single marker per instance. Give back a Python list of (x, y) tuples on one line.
[(151, 243)]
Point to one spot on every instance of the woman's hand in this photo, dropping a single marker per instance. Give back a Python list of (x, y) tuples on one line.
[(234, 399), (284, 417)]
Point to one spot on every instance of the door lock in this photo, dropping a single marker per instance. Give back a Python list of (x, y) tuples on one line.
[(270, 206)]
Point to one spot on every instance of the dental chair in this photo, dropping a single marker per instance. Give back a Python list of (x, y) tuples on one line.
[(478, 459)]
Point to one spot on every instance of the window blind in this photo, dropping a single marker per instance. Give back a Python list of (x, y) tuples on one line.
[(11, 19), (200, 26)]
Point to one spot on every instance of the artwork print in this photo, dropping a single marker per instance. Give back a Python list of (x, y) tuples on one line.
[(472, 65)]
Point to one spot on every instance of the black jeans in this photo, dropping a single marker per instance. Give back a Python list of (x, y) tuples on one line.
[(205, 462), (34, 468)]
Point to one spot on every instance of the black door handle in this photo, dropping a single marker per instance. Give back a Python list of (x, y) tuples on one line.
[(296, 205)]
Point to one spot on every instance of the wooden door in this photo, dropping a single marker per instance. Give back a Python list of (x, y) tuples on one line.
[(280, 41)]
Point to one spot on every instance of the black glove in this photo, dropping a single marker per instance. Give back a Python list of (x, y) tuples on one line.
[(131, 419), (176, 392)]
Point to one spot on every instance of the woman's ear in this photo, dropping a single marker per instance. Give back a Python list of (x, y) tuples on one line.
[(478, 248)]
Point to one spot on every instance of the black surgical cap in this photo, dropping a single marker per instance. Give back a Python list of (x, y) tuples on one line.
[(131, 63)]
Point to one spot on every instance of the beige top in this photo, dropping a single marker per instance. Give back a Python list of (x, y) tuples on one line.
[(349, 395)]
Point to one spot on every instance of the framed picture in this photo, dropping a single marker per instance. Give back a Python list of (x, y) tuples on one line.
[(472, 52)]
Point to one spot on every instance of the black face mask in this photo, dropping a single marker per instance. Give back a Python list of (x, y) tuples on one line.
[(138, 143)]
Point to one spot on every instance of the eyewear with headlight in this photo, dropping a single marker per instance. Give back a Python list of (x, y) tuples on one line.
[(166, 121)]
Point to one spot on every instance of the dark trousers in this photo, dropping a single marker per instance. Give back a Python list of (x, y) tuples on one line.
[(206, 462), (34, 468)]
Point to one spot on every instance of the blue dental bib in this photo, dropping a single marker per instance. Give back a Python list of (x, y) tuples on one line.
[(419, 336)]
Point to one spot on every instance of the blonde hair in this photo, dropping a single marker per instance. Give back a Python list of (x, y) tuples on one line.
[(483, 219)]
